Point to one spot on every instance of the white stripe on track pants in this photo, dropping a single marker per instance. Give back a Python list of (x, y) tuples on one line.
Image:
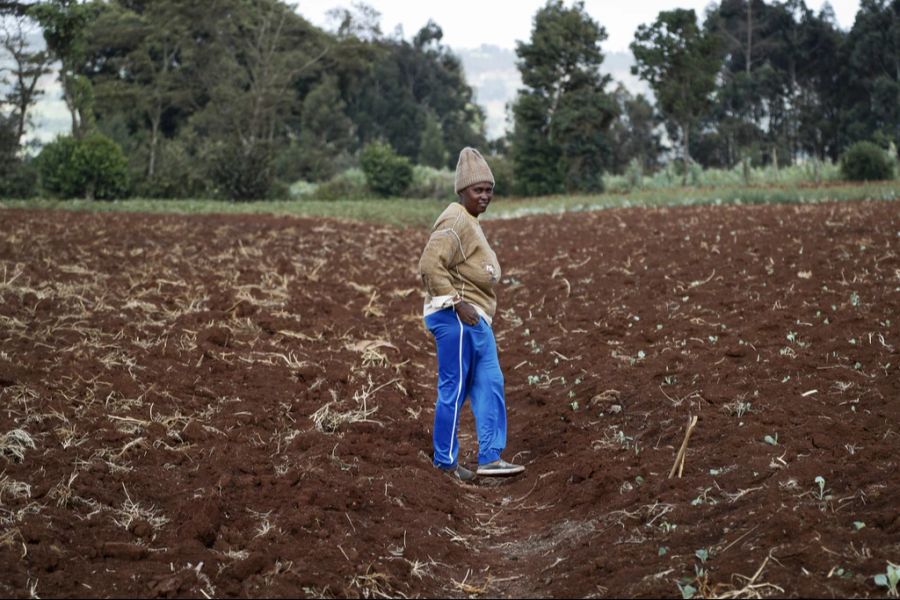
[(467, 367)]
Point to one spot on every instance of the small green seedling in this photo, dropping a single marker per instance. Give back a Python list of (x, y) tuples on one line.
[(820, 481), (857, 525), (702, 554), (687, 590), (663, 550), (889, 579), (771, 440)]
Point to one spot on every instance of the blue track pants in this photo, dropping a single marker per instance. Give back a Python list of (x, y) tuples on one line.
[(467, 367)]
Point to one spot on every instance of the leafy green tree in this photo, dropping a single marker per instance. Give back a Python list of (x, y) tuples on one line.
[(64, 23), (91, 167), (781, 92), (818, 99), (871, 78), (392, 88), (327, 133), (865, 161), (26, 66), (17, 174), (233, 99), (679, 61), (432, 151), (263, 49), (634, 134), (145, 53), (537, 160), (387, 173), (562, 117)]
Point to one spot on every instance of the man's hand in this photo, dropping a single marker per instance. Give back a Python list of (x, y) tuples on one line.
[(467, 313)]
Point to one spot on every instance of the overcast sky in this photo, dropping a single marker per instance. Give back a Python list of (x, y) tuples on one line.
[(470, 23)]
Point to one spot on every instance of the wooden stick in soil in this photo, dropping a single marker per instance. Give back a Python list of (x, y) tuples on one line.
[(679, 457)]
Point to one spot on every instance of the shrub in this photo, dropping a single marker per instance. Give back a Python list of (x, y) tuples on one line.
[(91, 167), (18, 179), (349, 184), (176, 175), (865, 161), (387, 173), (504, 177), (241, 173), (301, 190), (428, 182), (634, 174)]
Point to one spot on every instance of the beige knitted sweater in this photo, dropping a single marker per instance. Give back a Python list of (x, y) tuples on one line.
[(458, 260)]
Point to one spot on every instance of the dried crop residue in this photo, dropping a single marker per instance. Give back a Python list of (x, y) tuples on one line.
[(242, 406)]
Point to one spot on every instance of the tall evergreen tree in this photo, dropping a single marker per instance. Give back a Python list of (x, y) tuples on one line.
[(680, 62), (634, 133), (326, 132), (432, 151), (872, 74), (562, 116)]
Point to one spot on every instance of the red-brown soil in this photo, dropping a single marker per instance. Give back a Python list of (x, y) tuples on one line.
[(241, 406)]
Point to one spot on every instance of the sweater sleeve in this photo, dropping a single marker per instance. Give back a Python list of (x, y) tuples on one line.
[(443, 251)]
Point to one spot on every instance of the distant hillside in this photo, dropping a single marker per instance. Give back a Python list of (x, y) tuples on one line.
[(492, 72)]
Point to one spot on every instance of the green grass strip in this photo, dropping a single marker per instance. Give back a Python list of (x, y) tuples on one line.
[(422, 213)]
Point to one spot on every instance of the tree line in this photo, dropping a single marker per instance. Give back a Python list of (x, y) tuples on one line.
[(240, 98), (753, 82), (230, 97)]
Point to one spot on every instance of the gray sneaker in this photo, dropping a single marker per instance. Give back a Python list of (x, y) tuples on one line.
[(499, 468), (460, 472)]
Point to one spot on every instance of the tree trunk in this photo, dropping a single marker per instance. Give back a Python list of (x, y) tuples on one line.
[(69, 98), (154, 140), (749, 34), (685, 152)]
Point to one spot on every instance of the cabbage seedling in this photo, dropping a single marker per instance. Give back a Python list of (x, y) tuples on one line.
[(889, 579), (820, 481)]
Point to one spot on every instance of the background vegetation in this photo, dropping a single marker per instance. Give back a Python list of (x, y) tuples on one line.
[(246, 100)]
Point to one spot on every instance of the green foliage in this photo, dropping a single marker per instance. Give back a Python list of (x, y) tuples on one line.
[(64, 23), (428, 182), (432, 151), (634, 136), (239, 101), (870, 85), (402, 93), (349, 184), (387, 173), (680, 62), (93, 167), (241, 172), (562, 118), (865, 161), (504, 178), (889, 579), (326, 133), (18, 179), (302, 190), (536, 158), (176, 173), (17, 176)]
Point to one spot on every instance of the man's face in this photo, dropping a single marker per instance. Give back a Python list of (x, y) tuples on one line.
[(477, 196)]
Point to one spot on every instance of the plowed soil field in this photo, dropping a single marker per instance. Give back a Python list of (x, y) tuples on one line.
[(241, 406)]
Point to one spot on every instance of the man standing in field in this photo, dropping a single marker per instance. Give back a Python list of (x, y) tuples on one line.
[(459, 271)]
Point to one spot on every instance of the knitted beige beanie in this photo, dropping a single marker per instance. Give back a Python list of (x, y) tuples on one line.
[(471, 169)]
